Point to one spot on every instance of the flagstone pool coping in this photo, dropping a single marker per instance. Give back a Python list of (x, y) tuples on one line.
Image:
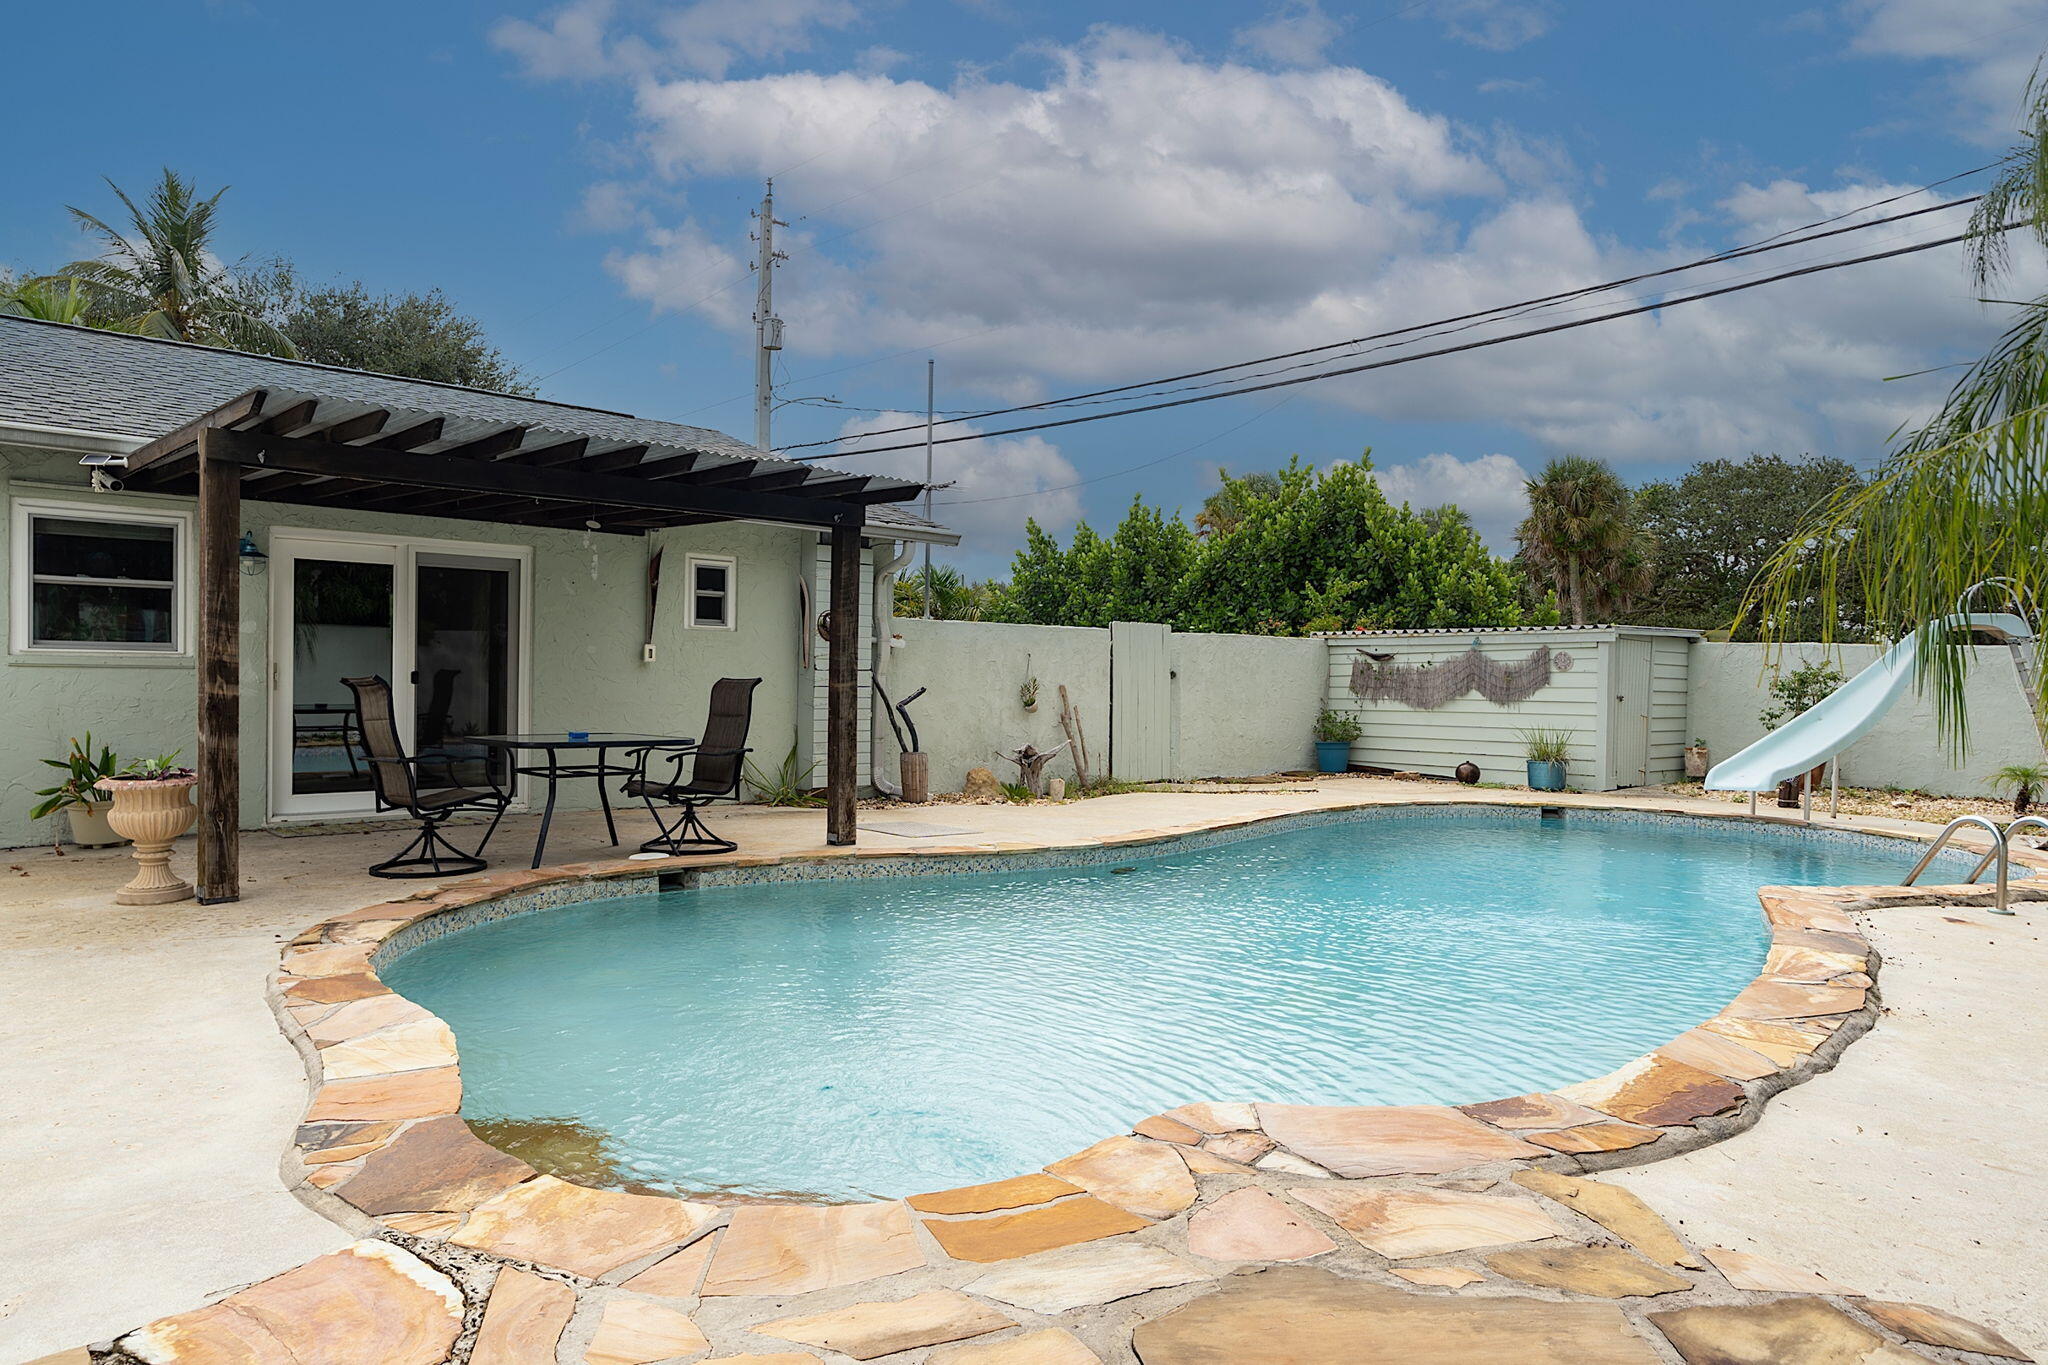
[(383, 1150)]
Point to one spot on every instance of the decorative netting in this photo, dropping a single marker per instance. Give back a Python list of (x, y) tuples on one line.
[(1429, 685)]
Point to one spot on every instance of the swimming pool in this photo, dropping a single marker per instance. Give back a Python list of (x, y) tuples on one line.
[(872, 1037)]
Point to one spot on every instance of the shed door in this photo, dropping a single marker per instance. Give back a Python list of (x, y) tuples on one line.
[(1629, 726), (1140, 701)]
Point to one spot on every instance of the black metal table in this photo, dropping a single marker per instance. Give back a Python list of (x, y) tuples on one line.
[(597, 744)]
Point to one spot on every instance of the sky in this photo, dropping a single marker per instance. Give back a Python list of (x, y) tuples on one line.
[(1051, 198)]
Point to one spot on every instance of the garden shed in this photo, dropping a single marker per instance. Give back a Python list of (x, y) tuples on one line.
[(1430, 699)]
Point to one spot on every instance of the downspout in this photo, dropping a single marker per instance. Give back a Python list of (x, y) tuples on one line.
[(880, 739)]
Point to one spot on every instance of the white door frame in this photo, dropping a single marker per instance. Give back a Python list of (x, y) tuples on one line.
[(291, 543)]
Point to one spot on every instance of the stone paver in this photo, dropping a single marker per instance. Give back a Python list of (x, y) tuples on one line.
[(1076, 1277), (1252, 1225), (370, 1301), (1806, 1331), (677, 1276), (1046, 1346), (1747, 1270), (1143, 1176), (1439, 1276), (1918, 1322), (589, 1232), (1303, 1316), (794, 1249), (523, 1320), (1603, 1271), (867, 1330), (1405, 1224), (1006, 1236), (1409, 1140), (1015, 1193), (434, 1165), (402, 1095), (635, 1332), (1657, 1090), (1616, 1209)]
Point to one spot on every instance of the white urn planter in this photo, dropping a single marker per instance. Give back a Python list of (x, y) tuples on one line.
[(89, 827), (152, 812)]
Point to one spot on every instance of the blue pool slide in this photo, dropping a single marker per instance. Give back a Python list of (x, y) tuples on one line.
[(1848, 713)]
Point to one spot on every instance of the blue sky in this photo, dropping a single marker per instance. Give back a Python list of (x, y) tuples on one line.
[(1051, 197)]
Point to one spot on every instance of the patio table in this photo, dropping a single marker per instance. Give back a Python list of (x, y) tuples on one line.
[(589, 755)]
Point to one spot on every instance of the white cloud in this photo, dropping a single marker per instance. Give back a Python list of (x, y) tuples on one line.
[(1506, 85), (586, 39), (1489, 487), (1987, 48), (1298, 33), (995, 485), (1496, 25)]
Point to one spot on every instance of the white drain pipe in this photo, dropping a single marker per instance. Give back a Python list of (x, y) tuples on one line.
[(881, 738)]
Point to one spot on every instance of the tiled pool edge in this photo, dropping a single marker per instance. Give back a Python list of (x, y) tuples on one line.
[(374, 1137)]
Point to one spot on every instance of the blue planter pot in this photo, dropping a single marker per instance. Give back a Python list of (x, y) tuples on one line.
[(1333, 755), (1546, 777)]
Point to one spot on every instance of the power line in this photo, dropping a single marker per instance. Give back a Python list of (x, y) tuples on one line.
[(1480, 344), (1525, 305)]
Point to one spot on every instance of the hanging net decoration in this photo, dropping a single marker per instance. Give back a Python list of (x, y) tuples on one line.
[(1429, 686)]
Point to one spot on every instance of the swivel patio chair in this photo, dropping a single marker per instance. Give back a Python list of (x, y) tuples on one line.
[(396, 782), (715, 775)]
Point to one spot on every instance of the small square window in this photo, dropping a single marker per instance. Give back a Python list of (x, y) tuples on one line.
[(710, 589), (87, 581)]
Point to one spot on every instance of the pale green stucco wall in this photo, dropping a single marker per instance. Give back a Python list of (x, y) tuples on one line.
[(586, 668)]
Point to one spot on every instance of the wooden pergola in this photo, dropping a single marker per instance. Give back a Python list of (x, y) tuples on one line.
[(274, 445)]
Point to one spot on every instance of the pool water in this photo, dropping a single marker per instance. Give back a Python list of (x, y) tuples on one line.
[(854, 1038)]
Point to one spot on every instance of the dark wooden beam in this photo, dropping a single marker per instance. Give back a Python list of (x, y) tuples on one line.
[(554, 485), (562, 452), (419, 434), (184, 440), (357, 427), (839, 488), (668, 466), (842, 701), (220, 666), (735, 471), (488, 446), (290, 420), (779, 478), (611, 461)]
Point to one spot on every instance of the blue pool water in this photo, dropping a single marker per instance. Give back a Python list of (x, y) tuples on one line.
[(881, 1037)]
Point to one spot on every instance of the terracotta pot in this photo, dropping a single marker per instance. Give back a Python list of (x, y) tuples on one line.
[(89, 828), (153, 813), (1696, 763)]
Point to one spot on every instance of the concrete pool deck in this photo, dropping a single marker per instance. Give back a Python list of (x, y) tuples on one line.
[(140, 1044)]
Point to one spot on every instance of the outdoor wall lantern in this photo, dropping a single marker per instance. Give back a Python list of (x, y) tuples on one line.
[(253, 560)]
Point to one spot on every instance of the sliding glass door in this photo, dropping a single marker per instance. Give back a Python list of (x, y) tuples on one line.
[(443, 622)]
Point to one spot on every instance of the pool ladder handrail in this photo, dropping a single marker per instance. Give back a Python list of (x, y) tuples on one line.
[(2001, 852)]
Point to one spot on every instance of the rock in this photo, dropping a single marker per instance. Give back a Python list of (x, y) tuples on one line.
[(1216, 1118), (401, 1095), (981, 785), (523, 1320), (402, 1047), (1618, 1210), (1245, 1147), (1297, 1315), (1404, 1224), (867, 1330), (369, 1301), (1719, 1054), (1606, 1271), (796, 1248), (1166, 1129), (1060, 1281), (1532, 1111), (435, 1165), (1387, 1139), (1005, 1237), (1016, 1193), (1918, 1322), (1056, 788), (1747, 1270), (1133, 1173), (1784, 1330), (1047, 1346), (586, 1232), (1252, 1225), (635, 1332), (1597, 1137)]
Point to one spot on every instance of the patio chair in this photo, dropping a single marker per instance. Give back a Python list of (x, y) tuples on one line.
[(396, 781), (715, 775)]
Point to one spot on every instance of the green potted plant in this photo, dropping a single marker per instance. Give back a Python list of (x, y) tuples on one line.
[(152, 806), (2022, 780), (1548, 753), (1336, 732), (84, 805), (1792, 696)]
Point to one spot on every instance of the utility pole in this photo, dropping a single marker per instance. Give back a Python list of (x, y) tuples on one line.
[(767, 327), (930, 379)]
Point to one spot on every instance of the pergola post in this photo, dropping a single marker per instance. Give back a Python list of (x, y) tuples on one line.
[(220, 663), (842, 700)]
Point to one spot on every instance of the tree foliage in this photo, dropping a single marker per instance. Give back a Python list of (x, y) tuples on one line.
[(1582, 539), (1300, 552), (417, 336), (954, 598)]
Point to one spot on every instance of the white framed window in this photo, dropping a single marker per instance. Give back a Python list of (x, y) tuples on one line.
[(90, 578), (710, 584)]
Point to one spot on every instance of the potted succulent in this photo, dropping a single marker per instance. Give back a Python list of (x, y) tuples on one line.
[(152, 806), (1335, 734), (84, 805), (1548, 751)]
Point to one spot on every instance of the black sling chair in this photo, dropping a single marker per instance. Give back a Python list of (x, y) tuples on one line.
[(396, 781), (720, 757)]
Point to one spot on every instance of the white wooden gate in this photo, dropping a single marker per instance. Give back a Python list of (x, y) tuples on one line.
[(1629, 723), (1140, 701)]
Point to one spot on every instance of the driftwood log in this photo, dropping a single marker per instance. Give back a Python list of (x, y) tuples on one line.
[(1077, 743), (1031, 762)]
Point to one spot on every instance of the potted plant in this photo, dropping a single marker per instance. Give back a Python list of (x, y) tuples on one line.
[(85, 806), (1697, 760), (2022, 780), (1792, 696), (152, 806), (1336, 732), (1548, 753)]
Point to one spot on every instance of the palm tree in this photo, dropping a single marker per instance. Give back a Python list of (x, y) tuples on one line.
[(1225, 508), (161, 276), (51, 298), (1962, 499), (1581, 535)]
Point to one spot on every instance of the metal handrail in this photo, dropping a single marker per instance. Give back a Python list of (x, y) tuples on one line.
[(2000, 853)]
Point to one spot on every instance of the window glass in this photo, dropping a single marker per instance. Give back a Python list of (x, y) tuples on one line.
[(710, 588), (102, 583)]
